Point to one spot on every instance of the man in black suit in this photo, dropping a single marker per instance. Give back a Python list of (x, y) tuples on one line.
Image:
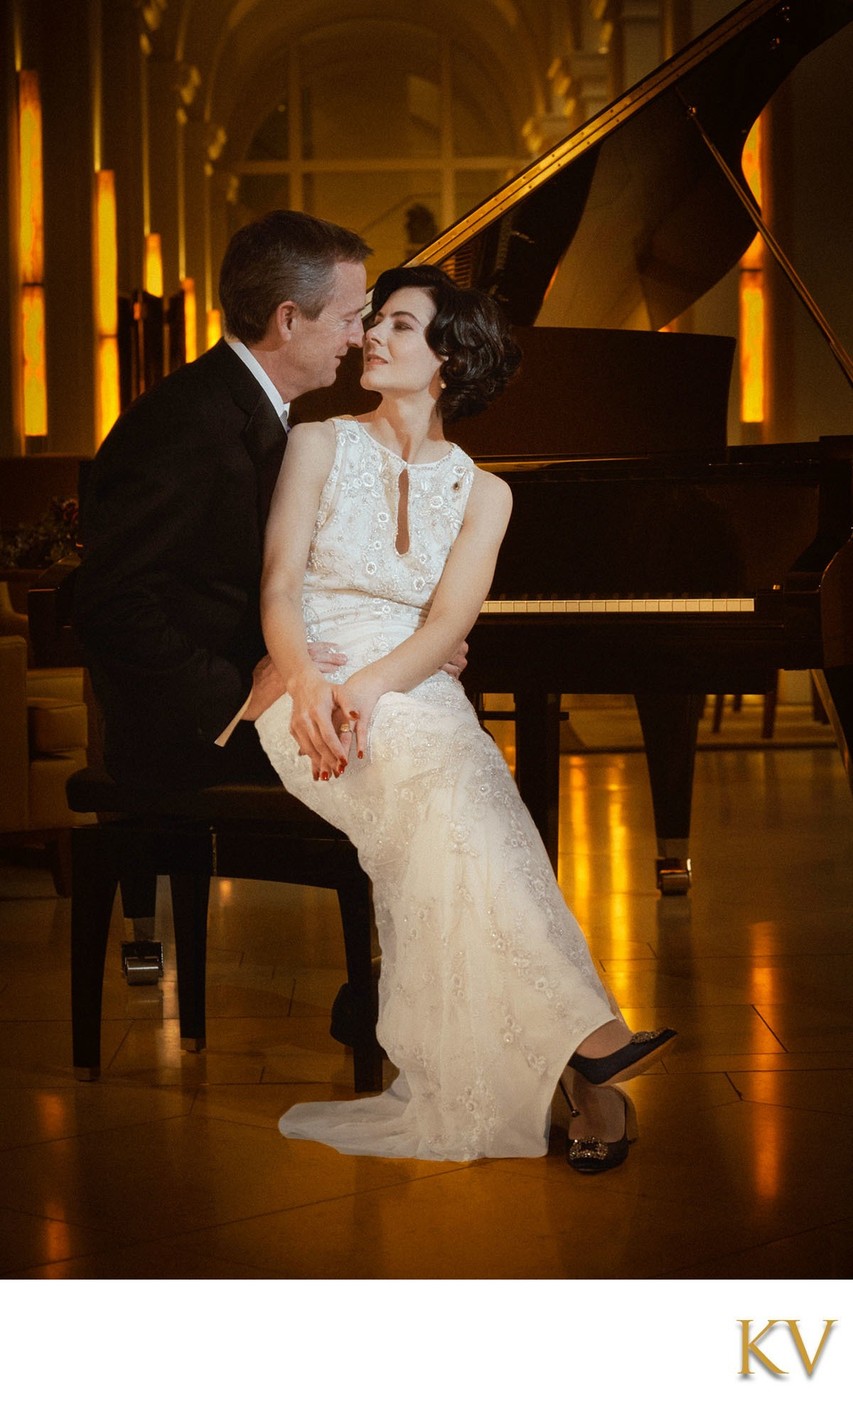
[(174, 508)]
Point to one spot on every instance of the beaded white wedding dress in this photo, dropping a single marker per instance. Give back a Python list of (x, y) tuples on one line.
[(487, 985)]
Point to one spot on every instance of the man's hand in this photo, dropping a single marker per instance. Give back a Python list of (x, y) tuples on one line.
[(457, 662), (326, 656), (267, 687)]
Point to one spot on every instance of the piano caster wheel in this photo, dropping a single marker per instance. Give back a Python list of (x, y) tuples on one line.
[(142, 962), (673, 875)]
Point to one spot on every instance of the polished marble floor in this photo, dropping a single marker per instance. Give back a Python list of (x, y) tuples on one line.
[(171, 1165)]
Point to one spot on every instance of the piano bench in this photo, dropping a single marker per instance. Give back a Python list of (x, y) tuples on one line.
[(247, 830)]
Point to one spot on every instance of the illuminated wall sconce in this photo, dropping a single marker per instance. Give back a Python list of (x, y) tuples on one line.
[(752, 314), (31, 249), (214, 327), (106, 302), (190, 317), (153, 281)]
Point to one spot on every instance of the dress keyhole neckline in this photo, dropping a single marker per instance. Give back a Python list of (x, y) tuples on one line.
[(402, 541)]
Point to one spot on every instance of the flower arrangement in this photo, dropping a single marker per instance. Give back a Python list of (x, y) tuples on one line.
[(46, 541)]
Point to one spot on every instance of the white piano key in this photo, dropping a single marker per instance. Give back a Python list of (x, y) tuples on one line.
[(640, 606)]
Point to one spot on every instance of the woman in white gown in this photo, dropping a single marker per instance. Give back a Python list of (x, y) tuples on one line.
[(382, 538)]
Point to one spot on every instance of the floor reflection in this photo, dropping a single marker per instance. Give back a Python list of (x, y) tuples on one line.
[(172, 1164)]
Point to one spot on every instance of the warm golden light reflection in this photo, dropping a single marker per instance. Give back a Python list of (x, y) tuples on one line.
[(752, 337), (106, 303), (764, 941), (575, 812), (153, 280), (618, 847), (35, 378), (31, 235), (752, 327), (764, 938), (618, 836), (752, 159), (190, 317), (55, 1238), (768, 1144), (51, 1109), (214, 327)]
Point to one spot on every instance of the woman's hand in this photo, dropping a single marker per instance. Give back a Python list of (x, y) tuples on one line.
[(312, 725), (355, 702)]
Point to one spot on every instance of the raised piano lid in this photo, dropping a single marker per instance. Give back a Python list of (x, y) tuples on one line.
[(609, 236), (629, 220)]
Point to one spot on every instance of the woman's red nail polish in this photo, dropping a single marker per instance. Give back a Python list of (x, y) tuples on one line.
[(361, 753), (324, 776)]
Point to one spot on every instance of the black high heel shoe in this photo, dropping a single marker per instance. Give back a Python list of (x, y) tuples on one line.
[(595, 1155), (641, 1051)]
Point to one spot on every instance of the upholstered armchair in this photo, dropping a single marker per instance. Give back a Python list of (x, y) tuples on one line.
[(12, 622), (43, 731)]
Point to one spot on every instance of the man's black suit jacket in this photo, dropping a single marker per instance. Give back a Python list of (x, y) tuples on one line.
[(167, 596)]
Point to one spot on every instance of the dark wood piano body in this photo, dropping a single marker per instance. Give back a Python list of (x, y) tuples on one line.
[(764, 527), (614, 434)]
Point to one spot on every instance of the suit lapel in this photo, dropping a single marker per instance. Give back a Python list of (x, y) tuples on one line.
[(264, 437), (265, 442)]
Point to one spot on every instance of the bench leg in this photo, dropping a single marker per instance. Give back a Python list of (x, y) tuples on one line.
[(361, 1003), (190, 896), (138, 893), (95, 873)]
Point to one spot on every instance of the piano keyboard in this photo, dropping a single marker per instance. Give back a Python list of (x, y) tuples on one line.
[(699, 605)]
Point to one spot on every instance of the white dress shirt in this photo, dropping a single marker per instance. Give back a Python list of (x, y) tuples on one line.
[(257, 369)]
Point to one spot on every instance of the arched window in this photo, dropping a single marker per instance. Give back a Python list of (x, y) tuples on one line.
[(385, 128)]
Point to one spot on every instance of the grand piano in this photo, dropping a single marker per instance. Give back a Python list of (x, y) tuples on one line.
[(645, 556)]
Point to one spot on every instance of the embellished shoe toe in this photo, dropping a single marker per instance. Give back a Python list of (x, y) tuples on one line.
[(641, 1051), (595, 1155)]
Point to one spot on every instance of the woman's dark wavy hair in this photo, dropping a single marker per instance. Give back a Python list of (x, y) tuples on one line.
[(469, 332)]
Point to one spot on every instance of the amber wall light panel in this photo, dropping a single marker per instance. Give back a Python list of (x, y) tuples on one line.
[(190, 336), (31, 254), (153, 264), (752, 319), (106, 301)]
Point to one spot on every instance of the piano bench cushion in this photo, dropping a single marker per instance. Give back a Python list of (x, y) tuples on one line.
[(94, 791), (56, 726)]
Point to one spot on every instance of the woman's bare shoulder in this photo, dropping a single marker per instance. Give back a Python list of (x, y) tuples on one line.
[(491, 491), (320, 434)]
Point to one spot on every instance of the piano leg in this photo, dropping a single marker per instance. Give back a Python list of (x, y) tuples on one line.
[(537, 762), (835, 688), (670, 724)]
